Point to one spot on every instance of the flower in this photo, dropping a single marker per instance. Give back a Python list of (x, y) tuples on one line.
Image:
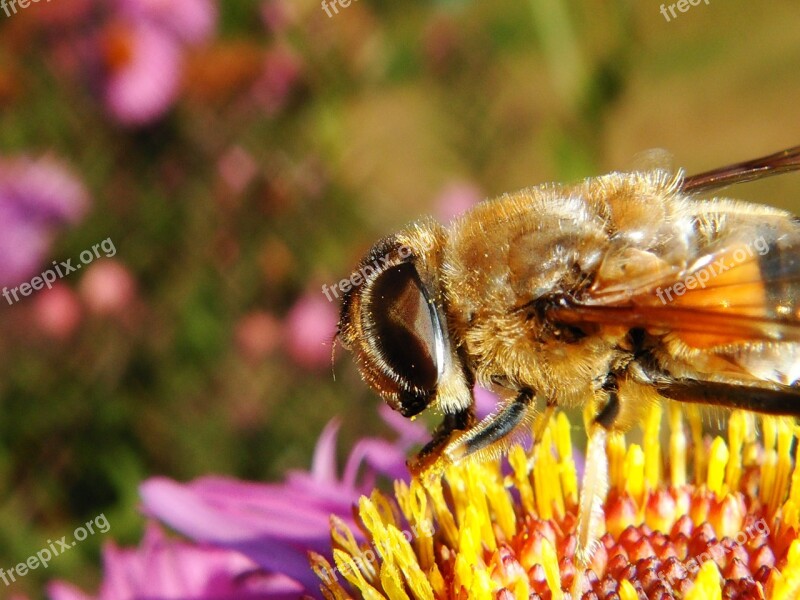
[(36, 198), (500, 529), (276, 524), (250, 538), (167, 568), (143, 66), (729, 533), (143, 48), (191, 21), (310, 329), (57, 311), (281, 75), (257, 334), (108, 288)]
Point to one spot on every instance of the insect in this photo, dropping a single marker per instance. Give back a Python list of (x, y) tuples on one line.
[(607, 294)]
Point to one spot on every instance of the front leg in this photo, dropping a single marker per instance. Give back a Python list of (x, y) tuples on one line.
[(429, 458), (487, 437)]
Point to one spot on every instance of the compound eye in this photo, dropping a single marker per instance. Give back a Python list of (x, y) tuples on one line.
[(406, 330)]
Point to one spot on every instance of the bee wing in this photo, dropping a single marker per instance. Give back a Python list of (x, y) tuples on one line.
[(729, 295), (781, 162)]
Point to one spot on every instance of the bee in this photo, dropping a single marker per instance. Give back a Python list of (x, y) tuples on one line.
[(608, 294)]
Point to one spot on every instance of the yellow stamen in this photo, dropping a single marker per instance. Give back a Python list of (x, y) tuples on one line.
[(707, 584), (443, 514), (393, 545), (392, 582), (634, 469), (627, 591), (696, 426), (791, 508), (652, 447), (569, 475), (478, 497), (551, 571), (546, 485), (396, 546), (470, 549), (383, 507), (677, 447), (616, 460), (500, 502), (782, 465), (437, 582), (769, 469), (331, 588), (717, 462), (343, 539), (522, 477), (414, 503), (736, 436), (785, 585), (347, 567)]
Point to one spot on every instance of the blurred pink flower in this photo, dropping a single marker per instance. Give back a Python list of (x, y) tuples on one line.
[(57, 311), (36, 198), (108, 288), (282, 72), (456, 198), (143, 50), (143, 66), (257, 334), (310, 329), (191, 21), (170, 569), (237, 168)]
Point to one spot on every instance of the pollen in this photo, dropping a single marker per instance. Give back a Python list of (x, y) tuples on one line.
[(714, 522)]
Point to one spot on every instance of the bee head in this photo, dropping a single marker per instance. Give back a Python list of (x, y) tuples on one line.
[(394, 323)]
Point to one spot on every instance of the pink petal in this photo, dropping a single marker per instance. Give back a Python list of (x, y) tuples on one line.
[(323, 467), (145, 87)]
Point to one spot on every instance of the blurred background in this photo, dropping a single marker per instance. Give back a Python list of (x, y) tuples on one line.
[(239, 155)]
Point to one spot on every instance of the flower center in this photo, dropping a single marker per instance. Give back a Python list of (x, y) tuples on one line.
[(506, 529)]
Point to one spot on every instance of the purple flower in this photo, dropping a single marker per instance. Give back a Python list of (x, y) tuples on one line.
[(143, 49), (36, 198), (191, 21), (310, 329), (249, 534), (167, 568), (143, 71)]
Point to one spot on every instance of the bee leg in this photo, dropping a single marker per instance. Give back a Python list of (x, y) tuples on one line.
[(489, 435), (460, 421), (429, 456), (594, 487)]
